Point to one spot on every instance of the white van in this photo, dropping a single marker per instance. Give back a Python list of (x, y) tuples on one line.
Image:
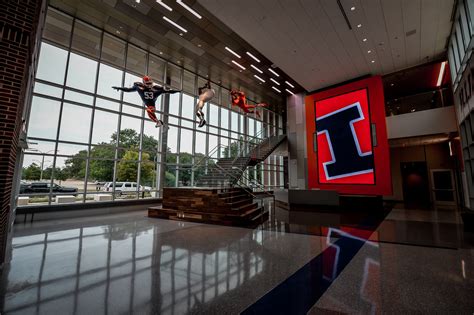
[(124, 187)]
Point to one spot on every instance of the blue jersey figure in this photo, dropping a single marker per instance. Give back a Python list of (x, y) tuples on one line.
[(148, 92)]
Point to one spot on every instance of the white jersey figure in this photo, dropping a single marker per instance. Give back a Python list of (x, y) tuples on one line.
[(205, 95)]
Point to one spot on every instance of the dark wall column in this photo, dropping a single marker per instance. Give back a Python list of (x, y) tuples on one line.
[(20, 26)]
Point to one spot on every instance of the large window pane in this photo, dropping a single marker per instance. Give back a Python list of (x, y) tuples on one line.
[(57, 27), (86, 39), (173, 139), (100, 102), (51, 64), (105, 125), (47, 89), (188, 107), (213, 115), (200, 143), (130, 133), (188, 82), (81, 73), (156, 68), (235, 121), (136, 59), (108, 77), (224, 121), (173, 76), (75, 123), (131, 97), (44, 117), (78, 97), (186, 143), (174, 104), (113, 50)]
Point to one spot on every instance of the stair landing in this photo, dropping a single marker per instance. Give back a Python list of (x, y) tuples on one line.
[(209, 205)]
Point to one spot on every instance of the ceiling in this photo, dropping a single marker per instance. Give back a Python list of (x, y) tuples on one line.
[(312, 42), (200, 50)]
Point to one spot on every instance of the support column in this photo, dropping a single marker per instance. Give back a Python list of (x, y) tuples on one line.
[(20, 28)]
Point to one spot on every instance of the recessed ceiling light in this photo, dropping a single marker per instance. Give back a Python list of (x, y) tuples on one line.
[(289, 84), (372, 61), (174, 24), (276, 89), (359, 25), (253, 57), (184, 5), (199, 45), (256, 68), (161, 53), (164, 5), (391, 84), (238, 64), (289, 92), (259, 78), (117, 31), (232, 52), (353, 8), (364, 40), (369, 51), (137, 1), (274, 81), (441, 74), (269, 69), (180, 34)]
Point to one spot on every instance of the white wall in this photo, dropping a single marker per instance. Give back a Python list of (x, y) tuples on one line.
[(427, 122)]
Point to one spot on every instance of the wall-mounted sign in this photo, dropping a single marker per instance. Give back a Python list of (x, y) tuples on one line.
[(347, 139)]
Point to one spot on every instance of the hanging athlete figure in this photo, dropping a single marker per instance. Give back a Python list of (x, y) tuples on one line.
[(239, 99), (148, 92), (205, 95)]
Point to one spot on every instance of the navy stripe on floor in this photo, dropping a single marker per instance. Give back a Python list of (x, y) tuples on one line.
[(298, 293)]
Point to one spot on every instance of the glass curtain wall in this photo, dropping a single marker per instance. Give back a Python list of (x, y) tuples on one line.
[(91, 142)]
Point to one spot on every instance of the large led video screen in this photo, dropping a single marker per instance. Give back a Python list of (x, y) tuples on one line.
[(347, 141)]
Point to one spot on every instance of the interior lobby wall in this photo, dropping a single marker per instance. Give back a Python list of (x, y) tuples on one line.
[(436, 156), (296, 132)]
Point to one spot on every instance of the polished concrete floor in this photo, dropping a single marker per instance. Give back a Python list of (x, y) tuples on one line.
[(394, 261)]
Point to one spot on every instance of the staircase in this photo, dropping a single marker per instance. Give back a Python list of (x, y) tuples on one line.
[(226, 172)]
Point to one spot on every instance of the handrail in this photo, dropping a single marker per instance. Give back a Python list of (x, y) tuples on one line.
[(209, 155), (255, 144)]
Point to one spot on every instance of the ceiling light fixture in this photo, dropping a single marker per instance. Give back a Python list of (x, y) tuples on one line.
[(372, 61), (253, 57), (441, 74), (289, 84), (174, 24), (232, 52), (353, 8), (259, 78), (184, 5), (369, 51), (256, 68), (276, 89), (238, 64), (137, 1), (269, 69), (289, 92), (359, 25), (274, 81), (364, 40), (164, 5)]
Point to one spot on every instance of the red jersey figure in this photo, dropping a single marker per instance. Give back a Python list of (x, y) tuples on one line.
[(239, 99)]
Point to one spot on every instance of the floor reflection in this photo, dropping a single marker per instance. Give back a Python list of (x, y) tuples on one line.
[(129, 267)]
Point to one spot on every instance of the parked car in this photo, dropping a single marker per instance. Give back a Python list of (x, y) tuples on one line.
[(44, 187), (121, 187)]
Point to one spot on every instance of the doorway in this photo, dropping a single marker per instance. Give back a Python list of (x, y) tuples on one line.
[(444, 192), (415, 183)]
